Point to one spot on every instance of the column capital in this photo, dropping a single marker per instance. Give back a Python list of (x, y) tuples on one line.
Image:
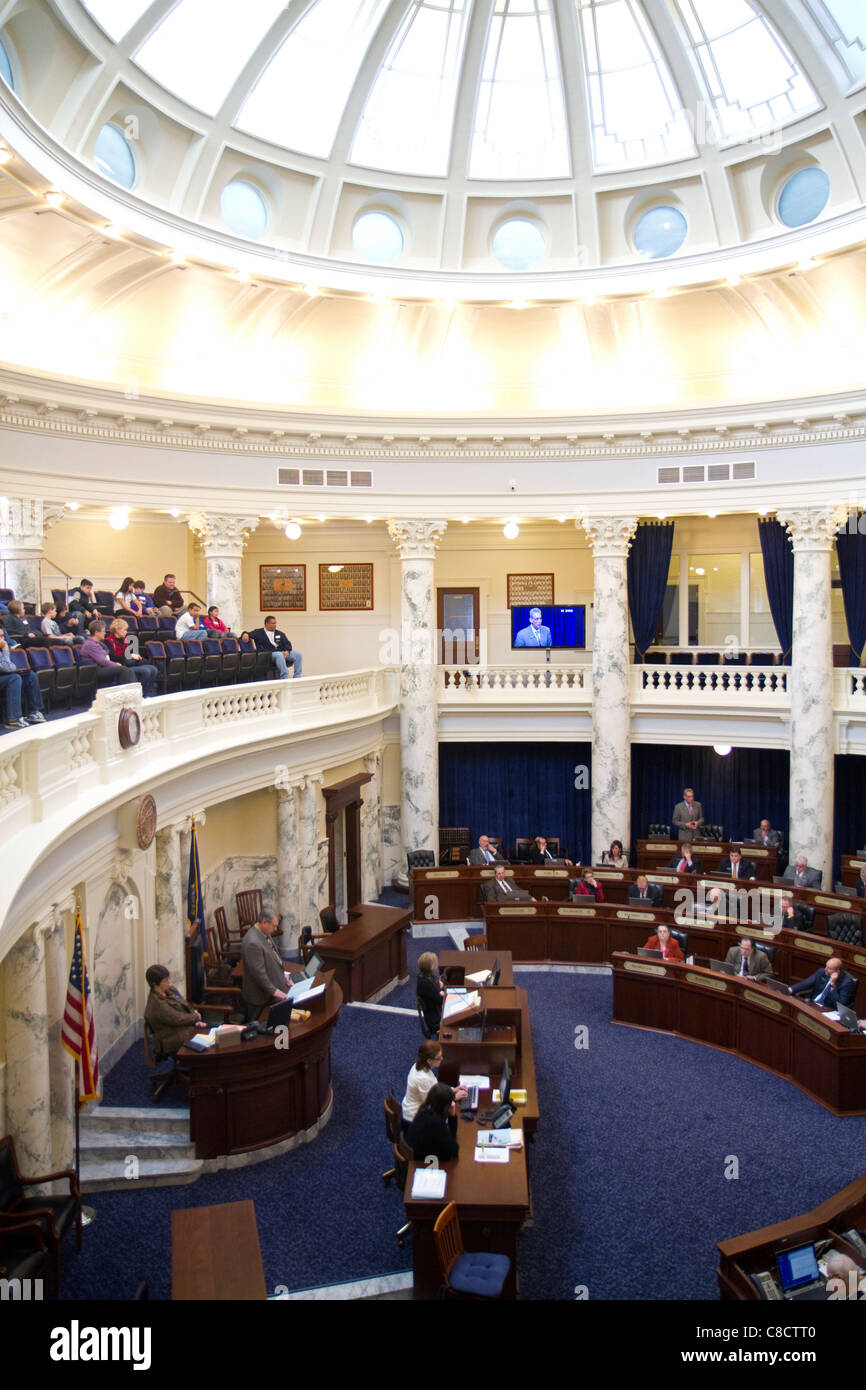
[(222, 533), (813, 528), (609, 535), (373, 762), (24, 521), (417, 540)]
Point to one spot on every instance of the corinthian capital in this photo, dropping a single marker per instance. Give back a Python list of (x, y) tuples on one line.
[(813, 528), (416, 540), (24, 521), (221, 533), (609, 535)]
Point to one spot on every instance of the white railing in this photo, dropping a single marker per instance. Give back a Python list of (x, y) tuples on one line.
[(761, 687), (506, 683)]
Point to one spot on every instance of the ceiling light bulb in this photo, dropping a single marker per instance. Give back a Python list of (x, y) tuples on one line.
[(54, 199), (734, 280), (511, 530), (323, 518), (518, 304), (243, 276), (369, 520), (118, 518), (72, 506), (293, 531), (112, 229), (700, 570), (712, 515), (807, 264), (177, 256), (723, 749), (5, 155), (174, 511), (312, 290), (334, 569)]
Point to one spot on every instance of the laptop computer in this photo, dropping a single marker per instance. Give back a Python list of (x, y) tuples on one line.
[(848, 1017), (313, 965), (723, 967), (652, 955), (800, 1276)]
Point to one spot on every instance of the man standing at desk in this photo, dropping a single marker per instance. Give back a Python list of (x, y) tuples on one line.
[(830, 986), (264, 979), (688, 816)]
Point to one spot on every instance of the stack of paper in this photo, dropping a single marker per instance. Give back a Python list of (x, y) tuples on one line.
[(429, 1183)]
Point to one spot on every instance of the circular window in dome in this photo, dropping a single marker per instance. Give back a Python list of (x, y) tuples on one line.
[(804, 196), (244, 210), (518, 244), (114, 157), (6, 67), (377, 237), (660, 232)]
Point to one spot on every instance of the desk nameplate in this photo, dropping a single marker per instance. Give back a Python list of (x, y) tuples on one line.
[(640, 967), (609, 875), (663, 878), (517, 911), (840, 904), (766, 1001), (814, 1026), (575, 912), (817, 948), (550, 873), (624, 915), (708, 982), (428, 875)]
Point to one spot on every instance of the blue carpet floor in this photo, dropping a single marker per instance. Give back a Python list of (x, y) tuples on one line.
[(628, 1170)]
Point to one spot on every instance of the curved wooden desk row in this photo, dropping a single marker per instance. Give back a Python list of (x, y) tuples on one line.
[(256, 1094), (654, 854), (785, 1036), (570, 934), (851, 864), (841, 1218)]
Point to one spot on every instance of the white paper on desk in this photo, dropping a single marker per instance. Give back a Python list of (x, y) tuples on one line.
[(429, 1182), (299, 995), (500, 1138), (456, 1003), (490, 1155), (479, 977), (482, 1082), (833, 1016)]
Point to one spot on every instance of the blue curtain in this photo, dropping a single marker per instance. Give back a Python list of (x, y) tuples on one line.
[(515, 789), (851, 549), (849, 804), (736, 791), (779, 578), (649, 560)]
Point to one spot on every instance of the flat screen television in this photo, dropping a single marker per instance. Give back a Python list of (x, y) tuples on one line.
[(560, 626)]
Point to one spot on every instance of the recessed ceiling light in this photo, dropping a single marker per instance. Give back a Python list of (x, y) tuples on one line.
[(72, 506), (723, 749), (118, 518), (312, 290), (734, 280), (54, 199), (712, 515), (518, 304), (179, 257), (112, 229), (334, 569), (511, 530), (243, 276), (174, 511), (807, 264), (5, 155)]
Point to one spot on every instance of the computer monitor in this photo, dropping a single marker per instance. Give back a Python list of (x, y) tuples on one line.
[(505, 1083), (797, 1267), (313, 965), (280, 1016), (495, 973)]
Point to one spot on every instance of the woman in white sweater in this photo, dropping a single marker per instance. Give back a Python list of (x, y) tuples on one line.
[(421, 1078)]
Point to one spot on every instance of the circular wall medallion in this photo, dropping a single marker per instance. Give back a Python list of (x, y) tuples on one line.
[(128, 728), (145, 822)]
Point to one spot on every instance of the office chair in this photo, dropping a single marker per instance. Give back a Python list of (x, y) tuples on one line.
[(328, 919), (422, 1020), (466, 1274), (475, 943)]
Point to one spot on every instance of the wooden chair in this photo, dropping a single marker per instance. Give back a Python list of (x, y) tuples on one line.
[(393, 1129), (475, 943), (249, 907), (23, 1250), (153, 1056), (56, 1215), (229, 944), (421, 1019), (477, 1274)]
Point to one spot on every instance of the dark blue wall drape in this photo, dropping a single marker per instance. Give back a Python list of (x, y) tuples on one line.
[(649, 561), (515, 789), (849, 829), (735, 791), (851, 549), (779, 578)]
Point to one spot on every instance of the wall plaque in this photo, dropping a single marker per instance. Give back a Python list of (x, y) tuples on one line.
[(343, 586), (282, 588), (524, 589)]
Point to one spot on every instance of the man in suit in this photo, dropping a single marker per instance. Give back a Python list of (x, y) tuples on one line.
[(684, 862), (801, 875), (485, 853), (861, 884), (747, 959), (536, 635), (500, 889), (688, 816), (737, 866), (830, 986), (270, 639), (764, 834), (264, 979), (791, 913), (642, 891)]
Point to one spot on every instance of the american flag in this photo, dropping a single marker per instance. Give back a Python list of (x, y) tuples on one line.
[(78, 1034)]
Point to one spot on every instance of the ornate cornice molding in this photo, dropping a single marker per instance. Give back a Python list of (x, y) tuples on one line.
[(417, 540), (222, 534), (609, 535), (812, 528)]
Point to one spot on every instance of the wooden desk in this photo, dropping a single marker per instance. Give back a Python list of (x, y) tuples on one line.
[(851, 866), (453, 894), (257, 1094), (748, 1254), (493, 1200), (783, 1035), (369, 952), (655, 854), (215, 1253), (473, 961)]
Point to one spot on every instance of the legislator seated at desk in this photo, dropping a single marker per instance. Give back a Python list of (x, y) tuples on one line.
[(501, 889), (434, 1128), (666, 943), (540, 854), (829, 987), (485, 853), (799, 873), (421, 1080), (747, 959), (736, 866), (795, 915), (588, 887), (172, 1020), (615, 857), (684, 862), (642, 891), (764, 834)]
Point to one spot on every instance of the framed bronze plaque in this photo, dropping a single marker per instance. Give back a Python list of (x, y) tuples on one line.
[(283, 588), (344, 586), (526, 589)]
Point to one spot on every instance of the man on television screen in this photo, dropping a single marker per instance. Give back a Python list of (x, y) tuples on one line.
[(536, 635)]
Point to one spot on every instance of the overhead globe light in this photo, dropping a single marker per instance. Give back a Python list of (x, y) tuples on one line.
[(174, 511), (511, 530), (72, 506), (118, 518), (5, 155), (723, 749), (293, 530), (54, 199)]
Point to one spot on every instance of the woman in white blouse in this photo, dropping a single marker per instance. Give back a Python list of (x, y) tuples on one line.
[(421, 1078), (614, 857)]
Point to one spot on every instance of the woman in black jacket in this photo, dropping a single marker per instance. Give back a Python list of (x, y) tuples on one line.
[(434, 1128), (430, 991)]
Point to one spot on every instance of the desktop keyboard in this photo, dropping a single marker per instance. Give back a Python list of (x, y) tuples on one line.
[(470, 1102)]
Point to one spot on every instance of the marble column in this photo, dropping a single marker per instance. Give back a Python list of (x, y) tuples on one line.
[(223, 538), (416, 542), (812, 531), (308, 852), (169, 892), (28, 1078), (60, 1065), (371, 830), (288, 851), (23, 523), (609, 538)]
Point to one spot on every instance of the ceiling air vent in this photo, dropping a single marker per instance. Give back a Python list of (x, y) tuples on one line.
[(668, 475), (338, 477), (313, 477), (743, 471), (318, 477), (362, 479), (693, 473), (288, 477), (718, 472)]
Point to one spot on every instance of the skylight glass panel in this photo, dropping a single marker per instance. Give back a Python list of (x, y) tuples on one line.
[(637, 116), (409, 115), (116, 17), (519, 128), (201, 46), (300, 97), (749, 74), (6, 67), (843, 23)]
